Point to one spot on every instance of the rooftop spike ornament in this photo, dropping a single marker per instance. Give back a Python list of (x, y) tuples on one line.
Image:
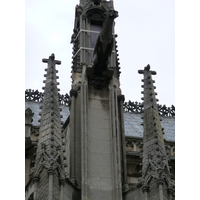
[(49, 166), (155, 168)]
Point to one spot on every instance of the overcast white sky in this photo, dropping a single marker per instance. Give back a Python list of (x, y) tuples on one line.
[(146, 35)]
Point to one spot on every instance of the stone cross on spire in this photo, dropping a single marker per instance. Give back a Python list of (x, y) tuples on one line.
[(149, 94), (51, 60)]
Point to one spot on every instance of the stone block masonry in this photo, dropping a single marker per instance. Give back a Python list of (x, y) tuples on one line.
[(99, 146)]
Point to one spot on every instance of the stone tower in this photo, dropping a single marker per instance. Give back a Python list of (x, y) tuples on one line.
[(96, 126), (156, 178)]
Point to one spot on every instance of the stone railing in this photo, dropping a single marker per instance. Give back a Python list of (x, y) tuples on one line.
[(135, 107), (37, 96), (131, 107), (32, 95), (166, 111)]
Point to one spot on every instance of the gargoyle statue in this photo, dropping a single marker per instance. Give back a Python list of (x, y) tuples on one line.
[(104, 43), (96, 2)]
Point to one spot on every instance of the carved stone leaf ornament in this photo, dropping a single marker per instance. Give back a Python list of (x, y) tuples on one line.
[(48, 161), (156, 173)]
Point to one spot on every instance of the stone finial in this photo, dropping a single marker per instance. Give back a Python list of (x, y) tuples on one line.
[(147, 69), (149, 94), (51, 60)]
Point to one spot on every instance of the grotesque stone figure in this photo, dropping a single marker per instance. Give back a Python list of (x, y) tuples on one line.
[(104, 44), (96, 2)]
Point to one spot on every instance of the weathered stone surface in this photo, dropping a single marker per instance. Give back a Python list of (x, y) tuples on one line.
[(135, 193), (49, 154), (99, 147), (155, 167)]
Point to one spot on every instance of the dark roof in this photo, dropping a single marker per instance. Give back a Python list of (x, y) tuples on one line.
[(34, 106), (133, 127), (132, 121)]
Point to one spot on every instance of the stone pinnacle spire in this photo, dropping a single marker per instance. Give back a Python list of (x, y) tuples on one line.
[(155, 169), (96, 2), (50, 123), (49, 160)]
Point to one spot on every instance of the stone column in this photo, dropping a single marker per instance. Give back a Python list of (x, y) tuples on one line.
[(121, 99), (170, 193), (73, 94), (160, 187), (50, 173), (115, 141), (145, 192), (119, 145), (62, 183), (84, 136), (35, 182)]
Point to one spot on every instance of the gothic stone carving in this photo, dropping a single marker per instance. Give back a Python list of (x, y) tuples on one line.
[(51, 161), (160, 175), (104, 44), (98, 81), (99, 74), (96, 2)]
